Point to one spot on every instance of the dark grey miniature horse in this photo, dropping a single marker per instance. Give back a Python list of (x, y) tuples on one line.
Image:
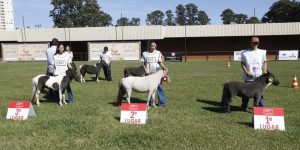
[(134, 71), (253, 89), (90, 69)]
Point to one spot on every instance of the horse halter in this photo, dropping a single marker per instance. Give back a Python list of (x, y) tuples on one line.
[(165, 78)]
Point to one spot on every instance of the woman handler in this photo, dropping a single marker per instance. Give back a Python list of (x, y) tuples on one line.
[(153, 62), (62, 62)]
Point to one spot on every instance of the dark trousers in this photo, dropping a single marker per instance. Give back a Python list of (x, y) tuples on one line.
[(70, 93), (107, 72), (53, 94), (160, 95), (245, 101)]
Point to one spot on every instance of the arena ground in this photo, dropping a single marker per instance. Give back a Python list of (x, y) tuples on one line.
[(190, 120)]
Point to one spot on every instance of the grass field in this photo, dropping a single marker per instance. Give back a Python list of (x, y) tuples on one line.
[(190, 120)]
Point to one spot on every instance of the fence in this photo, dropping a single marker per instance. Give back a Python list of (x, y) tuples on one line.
[(200, 55)]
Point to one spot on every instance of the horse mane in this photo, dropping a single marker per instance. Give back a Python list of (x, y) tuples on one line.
[(262, 77)]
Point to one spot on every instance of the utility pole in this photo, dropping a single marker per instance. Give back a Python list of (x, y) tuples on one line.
[(185, 42), (254, 22), (24, 29)]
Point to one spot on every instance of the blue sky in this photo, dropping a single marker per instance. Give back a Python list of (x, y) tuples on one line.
[(37, 11)]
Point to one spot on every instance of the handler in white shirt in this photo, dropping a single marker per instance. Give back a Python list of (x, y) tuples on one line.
[(105, 59), (50, 60), (62, 62), (254, 64), (68, 50), (152, 62), (50, 54)]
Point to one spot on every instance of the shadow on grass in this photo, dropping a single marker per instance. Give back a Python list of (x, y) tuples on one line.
[(216, 105), (49, 97), (132, 100), (285, 86), (93, 79), (247, 124), (117, 118)]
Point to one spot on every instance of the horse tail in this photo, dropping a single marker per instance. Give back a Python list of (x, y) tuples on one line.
[(34, 90), (125, 72), (120, 94), (224, 97)]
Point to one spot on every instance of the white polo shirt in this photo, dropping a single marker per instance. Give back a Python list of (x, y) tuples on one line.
[(71, 55), (50, 54), (106, 57), (254, 61), (61, 63), (151, 60)]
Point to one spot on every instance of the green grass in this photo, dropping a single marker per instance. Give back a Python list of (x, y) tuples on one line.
[(188, 122)]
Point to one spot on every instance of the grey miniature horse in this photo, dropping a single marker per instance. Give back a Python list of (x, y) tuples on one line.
[(253, 89), (134, 71), (90, 69)]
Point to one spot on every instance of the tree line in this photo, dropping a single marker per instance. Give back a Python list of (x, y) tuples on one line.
[(88, 13)]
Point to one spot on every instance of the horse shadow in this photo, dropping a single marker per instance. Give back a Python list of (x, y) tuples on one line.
[(93, 79), (247, 124), (216, 106), (132, 100), (118, 118), (48, 97)]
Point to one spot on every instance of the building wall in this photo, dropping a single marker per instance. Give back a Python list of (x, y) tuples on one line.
[(202, 41), (152, 32), (7, 21)]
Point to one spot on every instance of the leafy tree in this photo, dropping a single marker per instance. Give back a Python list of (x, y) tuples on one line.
[(170, 18), (155, 18), (240, 18), (283, 11), (106, 19), (123, 21), (191, 14), (180, 15), (78, 13), (203, 18), (253, 20), (135, 22), (228, 16), (90, 15)]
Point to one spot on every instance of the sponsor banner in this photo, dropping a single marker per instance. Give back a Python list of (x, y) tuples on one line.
[(119, 50), (24, 51), (288, 55), (237, 56)]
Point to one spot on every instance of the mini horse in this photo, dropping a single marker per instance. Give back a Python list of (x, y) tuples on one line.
[(253, 89), (90, 69), (59, 83), (141, 84), (134, 71)]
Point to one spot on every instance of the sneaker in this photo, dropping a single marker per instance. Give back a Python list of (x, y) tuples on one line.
[(70, 101), (162, 105)]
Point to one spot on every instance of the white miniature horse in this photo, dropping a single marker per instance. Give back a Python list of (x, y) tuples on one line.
[(142, 84), (59, 83)]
